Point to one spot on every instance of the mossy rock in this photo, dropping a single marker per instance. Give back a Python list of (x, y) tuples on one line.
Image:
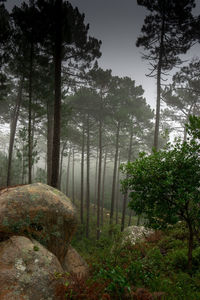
[(41, 212)]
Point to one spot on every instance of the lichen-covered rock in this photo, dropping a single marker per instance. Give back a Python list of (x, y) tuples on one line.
[(75, 264), (136, 233), (40, 212), (27, 270)]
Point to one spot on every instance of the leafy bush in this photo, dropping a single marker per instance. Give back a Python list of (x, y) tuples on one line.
[(177, 259), (164, 186)]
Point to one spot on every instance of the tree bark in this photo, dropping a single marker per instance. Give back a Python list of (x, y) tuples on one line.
[(73, 165), (96, 179), (130, 216), (30, 144), (117, 191), (159, 70), (57, 91), (68, 171), (114, 174), (82, 173), (88, 180), (103, 187), (61, 165), (99, 180), (190, 245), (13, 126), (49, 140), (126, 194)]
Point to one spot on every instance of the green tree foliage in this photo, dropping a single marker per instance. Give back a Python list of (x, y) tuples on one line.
[(165, 186)]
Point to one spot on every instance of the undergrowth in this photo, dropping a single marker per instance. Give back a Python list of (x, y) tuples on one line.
[(155, 268)]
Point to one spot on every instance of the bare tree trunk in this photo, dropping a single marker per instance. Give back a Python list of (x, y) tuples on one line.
[(130, 216), (30, 145), (103, 187), (88, 180), (138, 220), (57, 90), (114, 175), (117, 191), (49, 140), (82, 173), (99, 180), (126, 194), (96, 178), (68, 171), (73, 165), (13, 127), (159, 70), (61, 164), (190, 245)]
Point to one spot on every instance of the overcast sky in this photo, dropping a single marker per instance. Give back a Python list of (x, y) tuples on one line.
[(117, 24)]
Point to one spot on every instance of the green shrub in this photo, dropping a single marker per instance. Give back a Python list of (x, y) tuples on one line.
[(177, 259)]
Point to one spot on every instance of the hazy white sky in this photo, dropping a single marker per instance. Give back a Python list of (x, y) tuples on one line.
[(118, 23)]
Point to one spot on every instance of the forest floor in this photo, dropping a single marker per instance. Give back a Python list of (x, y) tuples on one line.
[(155, 268)]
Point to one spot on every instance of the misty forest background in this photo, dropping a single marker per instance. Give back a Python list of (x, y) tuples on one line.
[(67, 122)]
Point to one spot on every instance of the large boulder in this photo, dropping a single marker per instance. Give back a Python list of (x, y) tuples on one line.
[(41, 212), (75, 264), (27, 270)]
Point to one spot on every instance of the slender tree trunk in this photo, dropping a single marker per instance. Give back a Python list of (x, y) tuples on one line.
[(13, 127), (190, 246), (49, 140), (99, 180), (73, 165), (103, 187), (96, 179), (159, 70), (61, 165), (57, 93), (114, 175), (126, 194), (82, 173), (30, 145), (23, 165), (130, 216), (68, 171), (117, 191), (88, 180)]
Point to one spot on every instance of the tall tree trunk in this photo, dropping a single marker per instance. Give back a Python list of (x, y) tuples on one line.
[(114, 174), (49, 140), (96, 179), (68, 171), (126, 194), (117, 191), (88, 180), (61, 164), (33, 145), (99, 180), (103, 187), (129, 219), (159, 71), (73, 165), (30, 144), (57, 94), (13, 127), (82, 172), (190, 245)]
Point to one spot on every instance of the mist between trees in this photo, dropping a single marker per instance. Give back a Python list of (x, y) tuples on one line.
[(73, 123)]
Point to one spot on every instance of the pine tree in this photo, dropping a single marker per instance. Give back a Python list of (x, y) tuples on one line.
[(164, 37)]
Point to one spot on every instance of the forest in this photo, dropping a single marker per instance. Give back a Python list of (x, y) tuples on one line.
[(68, 123)]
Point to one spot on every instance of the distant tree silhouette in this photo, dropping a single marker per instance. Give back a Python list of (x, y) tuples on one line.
[(164, 37)]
